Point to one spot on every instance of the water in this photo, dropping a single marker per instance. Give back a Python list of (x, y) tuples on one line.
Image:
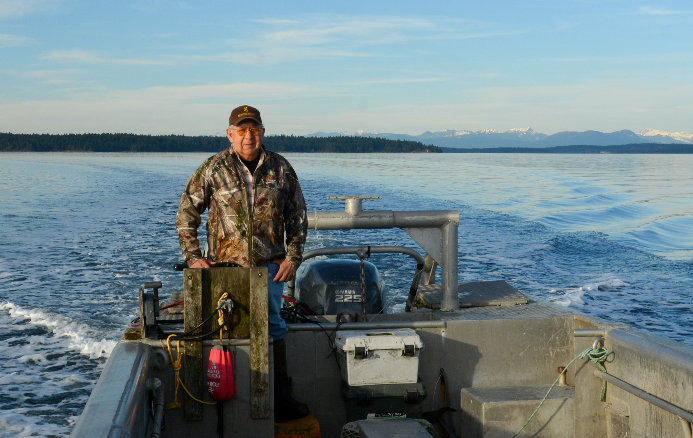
[(608, 235)]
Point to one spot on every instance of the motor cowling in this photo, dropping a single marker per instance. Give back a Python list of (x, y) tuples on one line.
[(329, 287), (221, 383)]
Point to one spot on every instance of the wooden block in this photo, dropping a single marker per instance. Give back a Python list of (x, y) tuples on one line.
[(259, 344), (192, 351), (235, 282), (132, 334), (202, 290)]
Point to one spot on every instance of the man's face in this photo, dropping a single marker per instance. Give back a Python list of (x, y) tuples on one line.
[(246, 146)]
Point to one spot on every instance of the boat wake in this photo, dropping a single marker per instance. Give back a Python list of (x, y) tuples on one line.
[(575, 296), (79, 337), (50, 365)]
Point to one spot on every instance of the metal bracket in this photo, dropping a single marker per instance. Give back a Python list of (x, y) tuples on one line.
[(149, 308), (227, 303), (353, 205)]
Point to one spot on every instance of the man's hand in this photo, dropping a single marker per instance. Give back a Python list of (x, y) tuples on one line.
[(202, 263), (286, 271)]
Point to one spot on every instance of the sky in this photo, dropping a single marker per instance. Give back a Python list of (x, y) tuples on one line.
[(170, 67)]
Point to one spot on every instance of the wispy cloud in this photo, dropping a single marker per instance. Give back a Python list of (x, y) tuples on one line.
[(200, 109), (357, 31), (485, 75), (647, 10), (92, 57), (7, 40), (400, 81), (635, 59), (222, 92), (325, 37), (18, 8), (52, 76)]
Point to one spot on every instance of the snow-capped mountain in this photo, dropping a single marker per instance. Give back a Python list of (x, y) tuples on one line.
[(684, 137), (526, 137)]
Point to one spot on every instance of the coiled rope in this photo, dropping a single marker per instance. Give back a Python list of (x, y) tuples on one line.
[(596, 356)]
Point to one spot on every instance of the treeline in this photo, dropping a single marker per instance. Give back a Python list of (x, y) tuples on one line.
[(290, 143), (182, 143), (636, 148)]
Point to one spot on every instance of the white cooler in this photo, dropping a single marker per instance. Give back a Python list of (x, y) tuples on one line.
[(377, 357)]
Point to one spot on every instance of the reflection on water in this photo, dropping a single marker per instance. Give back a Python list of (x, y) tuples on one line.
[(609, 235), (619, 195)]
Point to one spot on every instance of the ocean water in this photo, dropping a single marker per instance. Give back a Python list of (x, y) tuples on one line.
[(607, 235)]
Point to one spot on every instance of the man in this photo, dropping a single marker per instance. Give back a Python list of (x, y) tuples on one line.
[(254, 200)]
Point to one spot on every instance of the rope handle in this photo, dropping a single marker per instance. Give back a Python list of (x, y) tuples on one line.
[(220, 321), (176, 367)]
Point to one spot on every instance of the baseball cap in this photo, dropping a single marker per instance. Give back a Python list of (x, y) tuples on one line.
[(244, 112)]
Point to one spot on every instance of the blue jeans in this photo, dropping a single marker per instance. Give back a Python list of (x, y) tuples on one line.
[(277, 326)]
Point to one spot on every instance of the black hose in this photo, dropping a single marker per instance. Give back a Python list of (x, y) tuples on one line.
[(185, 337), (220, 419)]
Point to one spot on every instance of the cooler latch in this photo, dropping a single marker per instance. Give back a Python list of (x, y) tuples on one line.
[(411, 396), (360, 352), (409, 350)]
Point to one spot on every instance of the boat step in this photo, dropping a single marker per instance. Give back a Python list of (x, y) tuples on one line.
[(501, 411), (473, 294)]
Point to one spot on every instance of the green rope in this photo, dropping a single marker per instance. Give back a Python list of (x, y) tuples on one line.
[(597, 357)]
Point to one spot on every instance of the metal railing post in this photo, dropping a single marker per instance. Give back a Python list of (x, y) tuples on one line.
[(450, 302)]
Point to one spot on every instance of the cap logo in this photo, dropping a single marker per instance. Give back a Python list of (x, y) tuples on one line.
[(246, 113)]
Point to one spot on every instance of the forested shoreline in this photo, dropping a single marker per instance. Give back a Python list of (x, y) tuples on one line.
[(290, 143), (182, 143)]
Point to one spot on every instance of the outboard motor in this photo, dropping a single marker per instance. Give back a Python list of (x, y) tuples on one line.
[(329, 287)]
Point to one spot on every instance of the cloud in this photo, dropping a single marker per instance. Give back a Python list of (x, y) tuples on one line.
[(51, 76), (91, 57), (485, 75), (400, 81), (18, 8), (646, 10), (315, 31), (192, 110), (635, 59), (293, 109), (7, 40), (320, 36)]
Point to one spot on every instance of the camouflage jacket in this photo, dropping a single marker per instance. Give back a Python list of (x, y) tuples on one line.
[(235, 230)]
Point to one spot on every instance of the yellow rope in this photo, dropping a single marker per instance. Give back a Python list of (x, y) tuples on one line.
[(177, 363), (176, 367), (220, 321)]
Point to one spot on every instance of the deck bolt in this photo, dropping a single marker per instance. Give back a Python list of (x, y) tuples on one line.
[(562, 381)]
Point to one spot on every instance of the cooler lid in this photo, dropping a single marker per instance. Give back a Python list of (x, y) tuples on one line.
[(395, 339)]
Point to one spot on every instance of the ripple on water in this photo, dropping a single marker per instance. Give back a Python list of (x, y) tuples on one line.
[(602, 235)]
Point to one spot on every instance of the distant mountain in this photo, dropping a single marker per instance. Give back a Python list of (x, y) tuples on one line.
[(684, 137), (525, 137)]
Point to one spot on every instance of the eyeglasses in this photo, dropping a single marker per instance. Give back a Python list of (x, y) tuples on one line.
[(243, 130)]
